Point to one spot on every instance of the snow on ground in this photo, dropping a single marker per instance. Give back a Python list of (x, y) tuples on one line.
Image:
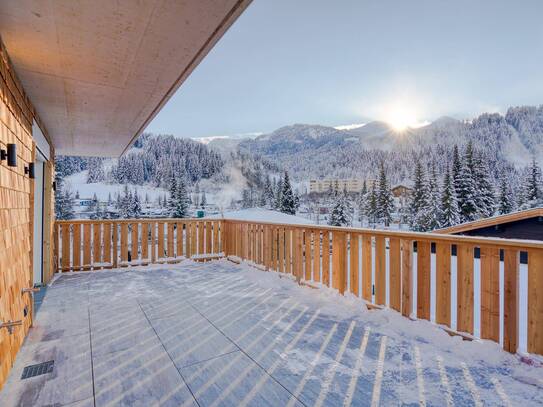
[(78, 182), (263, 215)]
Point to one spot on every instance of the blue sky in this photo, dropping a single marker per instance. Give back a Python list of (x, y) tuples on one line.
[(351, 61)]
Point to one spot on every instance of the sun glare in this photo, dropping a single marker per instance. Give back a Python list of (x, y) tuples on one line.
[(401, 117)]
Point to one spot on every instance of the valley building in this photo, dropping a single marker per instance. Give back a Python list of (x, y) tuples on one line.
[(325, 185)]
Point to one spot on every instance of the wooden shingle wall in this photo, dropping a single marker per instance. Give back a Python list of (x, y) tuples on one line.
[(16, 197)]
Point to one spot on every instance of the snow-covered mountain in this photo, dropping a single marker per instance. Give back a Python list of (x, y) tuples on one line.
[(309, 151)]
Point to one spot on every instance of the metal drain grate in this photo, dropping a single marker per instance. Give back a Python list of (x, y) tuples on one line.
[(37, 370)]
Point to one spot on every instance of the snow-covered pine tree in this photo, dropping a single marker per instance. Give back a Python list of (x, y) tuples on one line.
[(179, 207), (203, 200), (95, 170), (532, 186), (64, 205), (484, 190), (339, 215), (77, 194), (371, 209), (109, 200), (506, 203), (456, 170), (466, 186), (278, 195), (433, 210), (287, 197), (419, 200), (136, 205), (126, 204), (268, 192), (450, 213), (385, 201)]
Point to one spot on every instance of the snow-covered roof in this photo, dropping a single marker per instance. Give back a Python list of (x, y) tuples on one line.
[(263, 215), (492, 221)]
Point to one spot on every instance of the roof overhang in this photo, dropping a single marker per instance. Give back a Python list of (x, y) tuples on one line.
[(97, 72)]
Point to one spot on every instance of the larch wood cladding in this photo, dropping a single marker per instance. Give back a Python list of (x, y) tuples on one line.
[(16, 213)]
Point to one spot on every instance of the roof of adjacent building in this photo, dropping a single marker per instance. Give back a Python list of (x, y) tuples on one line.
[(97, 72), (492, 221)]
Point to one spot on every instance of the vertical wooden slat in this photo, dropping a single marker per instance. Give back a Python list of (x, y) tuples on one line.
[(308, 239), (134, 255), (107, 243), (490, 293), (96, 244), (339, 261), (326, 258), (288, 250), (170, 240), (188, 239), (266, 247), (395, 275), (366, 267), (194, 238), (209, 237), (160, 253), (179, 239), (535, 301), (297, 254), (153, 241), (218, 227), (443, 283), (273, 245), (380, 271), (317, 256), (56, 245), (65, 232), (407, 276), (115, 244), (510, 311), (201, 237), (465, 288), (87, 246), (145, 241), (354, 264), (124, 242), (76, 247), (281, 250), (423, 279)]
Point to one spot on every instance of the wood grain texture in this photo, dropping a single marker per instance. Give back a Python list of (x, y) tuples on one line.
[(464, 288), (510, 311), (76, 245), (380, 271), (490, 293), (124, 242), (96, 245), (366, 268), (423, 280), (87, 246), (308, 256), (326, 258), (407, 276), (339, 261), (395, 275), (443, 283), (535, 301), (354, 264)]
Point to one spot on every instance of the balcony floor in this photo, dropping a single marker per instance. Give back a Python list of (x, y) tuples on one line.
[(214, 334)]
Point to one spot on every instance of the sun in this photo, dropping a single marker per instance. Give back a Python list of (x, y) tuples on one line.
[(401, 117)]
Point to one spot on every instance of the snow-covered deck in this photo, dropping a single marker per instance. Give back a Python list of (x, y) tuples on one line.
[(217, 333)]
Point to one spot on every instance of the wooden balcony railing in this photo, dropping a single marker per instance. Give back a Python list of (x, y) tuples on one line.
[(98, 244), (466, 284)]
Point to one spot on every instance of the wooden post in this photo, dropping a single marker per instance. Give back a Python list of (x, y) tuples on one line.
[(366, 268), (76, 247), (490, 293), (96, 245), (465, 288), (107, 244), (326, 258), (65, 230), (339, 261), (423, 280), (443, 283), (510, 314), (395, 275), (317, 256), (380, 271), (308, 238), (407, 276), (354, 264), (87, 246), (145, 242), (124, 243), (170, 240), (535, 301), (135, 242), (115, 245)]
